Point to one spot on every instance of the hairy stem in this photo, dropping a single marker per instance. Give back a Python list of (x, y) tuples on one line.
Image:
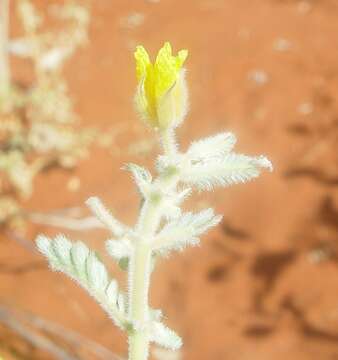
[(4, 33), (169, 142), (139, 280), (141, 263), (139, 308)]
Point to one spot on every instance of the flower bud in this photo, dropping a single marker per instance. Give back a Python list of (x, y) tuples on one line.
[(161, 96)]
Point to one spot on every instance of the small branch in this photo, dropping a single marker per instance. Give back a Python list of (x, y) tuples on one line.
[(105, 217), (87, 223)]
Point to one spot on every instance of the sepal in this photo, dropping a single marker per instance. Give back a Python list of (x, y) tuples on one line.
[(173, 105)]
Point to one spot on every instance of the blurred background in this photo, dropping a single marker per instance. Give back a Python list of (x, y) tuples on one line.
[(263, 284)]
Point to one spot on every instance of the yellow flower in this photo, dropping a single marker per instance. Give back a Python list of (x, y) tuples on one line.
[(161, 96)]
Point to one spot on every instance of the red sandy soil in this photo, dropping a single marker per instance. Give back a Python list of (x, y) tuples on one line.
[(265, 283)]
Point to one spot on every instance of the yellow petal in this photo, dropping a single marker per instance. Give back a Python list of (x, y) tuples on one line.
[(167, 67), (142, 62)]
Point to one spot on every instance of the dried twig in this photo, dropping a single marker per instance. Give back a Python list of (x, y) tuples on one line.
[(11, 318), (21, 240), (71, 336), (35, 339)]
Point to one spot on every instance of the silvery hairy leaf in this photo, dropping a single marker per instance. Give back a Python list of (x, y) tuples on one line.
[(229, 170), (84, 266), (185, 230), (211, 147), (162, 335)]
